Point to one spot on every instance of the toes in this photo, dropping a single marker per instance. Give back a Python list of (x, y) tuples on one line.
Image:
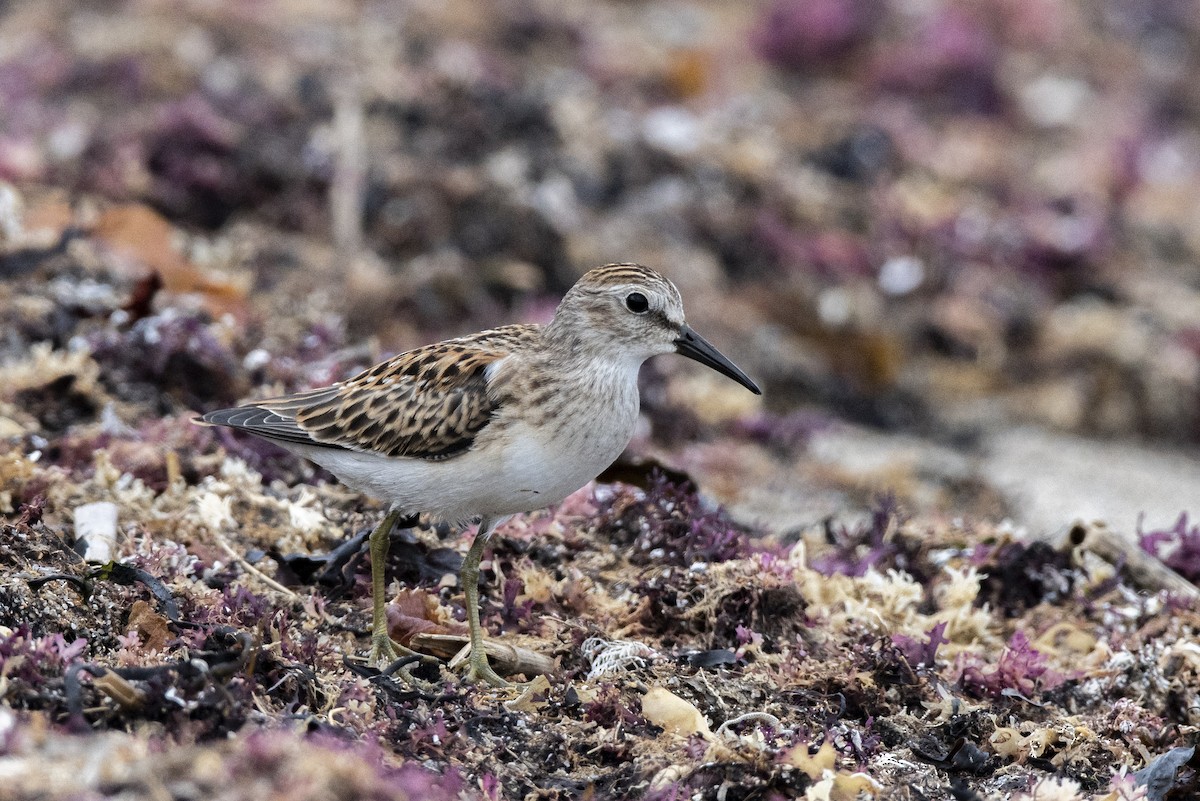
[(382, 657), (482, 673)]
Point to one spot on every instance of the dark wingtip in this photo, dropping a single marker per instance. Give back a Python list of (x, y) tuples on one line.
[(261, 422), (220, 417)]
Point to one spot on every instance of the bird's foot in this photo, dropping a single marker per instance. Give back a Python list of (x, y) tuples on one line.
[(386, 653), (479, 671)]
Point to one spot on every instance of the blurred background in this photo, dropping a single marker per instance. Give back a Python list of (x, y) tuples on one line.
[(955, 242)]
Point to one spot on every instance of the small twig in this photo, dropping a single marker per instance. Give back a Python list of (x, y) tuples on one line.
[(346, 189), (241, 560)]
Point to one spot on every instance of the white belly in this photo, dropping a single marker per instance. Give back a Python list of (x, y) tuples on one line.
[(541, 470)]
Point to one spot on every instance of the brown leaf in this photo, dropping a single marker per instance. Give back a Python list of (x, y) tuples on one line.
[(414, 612), (146, 239), (150, 626)]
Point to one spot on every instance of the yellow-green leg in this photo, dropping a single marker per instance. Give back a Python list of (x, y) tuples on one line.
[(383, 650), (478, 668)]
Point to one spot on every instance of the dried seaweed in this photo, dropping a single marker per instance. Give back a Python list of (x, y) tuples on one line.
[(946, 223)]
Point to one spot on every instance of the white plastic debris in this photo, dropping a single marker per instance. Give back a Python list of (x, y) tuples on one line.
[(96, 527)]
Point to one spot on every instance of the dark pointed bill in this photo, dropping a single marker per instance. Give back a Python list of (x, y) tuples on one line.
[(696, 347)]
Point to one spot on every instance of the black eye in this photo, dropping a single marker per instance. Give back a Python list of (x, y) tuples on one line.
[(636, 302)]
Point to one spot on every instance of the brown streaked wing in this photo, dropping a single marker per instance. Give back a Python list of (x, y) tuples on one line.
[(428, 403)]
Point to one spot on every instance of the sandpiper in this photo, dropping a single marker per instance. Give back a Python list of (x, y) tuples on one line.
[(489, 425)]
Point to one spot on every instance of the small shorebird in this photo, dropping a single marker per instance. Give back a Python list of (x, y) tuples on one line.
[(489, 425)]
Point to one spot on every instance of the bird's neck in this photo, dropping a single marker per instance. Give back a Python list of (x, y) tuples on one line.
[(581, 354), (569, 337)]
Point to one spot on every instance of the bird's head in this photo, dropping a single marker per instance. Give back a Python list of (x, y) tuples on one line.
[(636, 311)]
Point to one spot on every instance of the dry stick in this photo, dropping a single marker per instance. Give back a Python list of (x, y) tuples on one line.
[(1145, 569), (506, 658), (241, 560), (347, 187)]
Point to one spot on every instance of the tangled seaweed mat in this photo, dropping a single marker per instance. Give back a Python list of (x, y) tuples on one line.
[(696, 657)]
